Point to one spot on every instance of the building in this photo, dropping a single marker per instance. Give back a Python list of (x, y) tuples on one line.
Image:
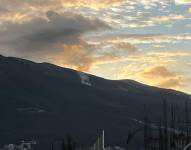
[(23, 145)]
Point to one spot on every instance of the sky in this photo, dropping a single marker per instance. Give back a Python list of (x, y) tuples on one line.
[(144, 40)]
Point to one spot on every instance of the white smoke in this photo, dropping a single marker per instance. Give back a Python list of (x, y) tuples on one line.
[(84, 79)]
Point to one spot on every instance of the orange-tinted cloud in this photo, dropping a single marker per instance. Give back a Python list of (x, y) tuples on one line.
[(44, 5), (172, 83), (157, 72), (162, 77), (74, 56), (38, 35), (59, 36), (95, 4), (80, 58), (23, 10)]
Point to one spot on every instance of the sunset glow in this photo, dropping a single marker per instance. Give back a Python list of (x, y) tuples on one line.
[(145, 40)]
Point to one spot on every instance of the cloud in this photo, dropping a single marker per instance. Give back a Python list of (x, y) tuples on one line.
[(21, 10), (133, 39), (126, 46), (39, 34), (58, 34), (157, 72), (24, 10), (145, 68), (159, 68), (165, 18), (189, 64), (33, 8), (95, 4), (44, 5), (123, 48), (14, 16), (30, 4), (172, 83), (162, 77), (81, 58), (74, 56), (182, 2), (59, 38)]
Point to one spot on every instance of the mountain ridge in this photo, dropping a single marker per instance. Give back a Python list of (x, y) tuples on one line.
[(130, 81)]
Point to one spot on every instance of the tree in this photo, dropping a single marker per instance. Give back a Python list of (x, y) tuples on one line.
[(69, 144)]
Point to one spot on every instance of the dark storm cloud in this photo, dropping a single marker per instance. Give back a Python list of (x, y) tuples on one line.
[(47, 34), (56, 38)]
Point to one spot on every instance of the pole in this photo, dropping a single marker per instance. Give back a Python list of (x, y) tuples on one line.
[(103, 134)]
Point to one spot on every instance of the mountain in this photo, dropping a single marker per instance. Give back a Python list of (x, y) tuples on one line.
[(44, 102)]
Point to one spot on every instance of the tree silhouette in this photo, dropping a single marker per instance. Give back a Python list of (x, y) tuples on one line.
[(69, 144)]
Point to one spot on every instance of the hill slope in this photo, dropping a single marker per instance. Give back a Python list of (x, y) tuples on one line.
[(45, 102)]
